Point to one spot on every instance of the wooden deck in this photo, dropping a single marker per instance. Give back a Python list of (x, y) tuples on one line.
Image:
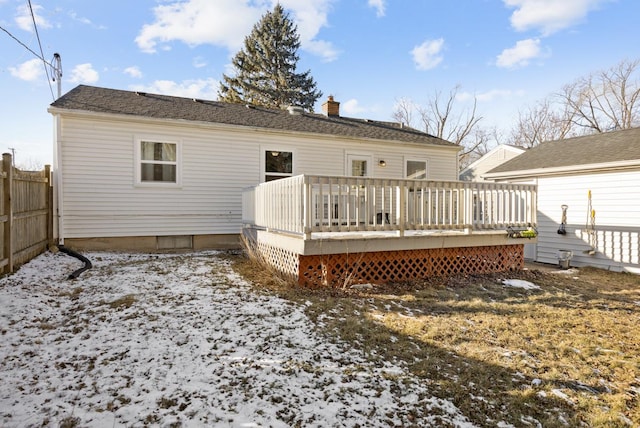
[(336, 230)]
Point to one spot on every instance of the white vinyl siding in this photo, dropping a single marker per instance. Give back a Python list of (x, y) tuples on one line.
[(495, 157), (615, 198), (100, 197)]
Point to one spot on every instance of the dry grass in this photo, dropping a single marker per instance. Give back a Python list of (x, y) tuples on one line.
[(567, 354)]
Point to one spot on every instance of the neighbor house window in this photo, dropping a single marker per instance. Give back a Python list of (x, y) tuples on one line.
[(416, 169), (278, 164), (158, 162)]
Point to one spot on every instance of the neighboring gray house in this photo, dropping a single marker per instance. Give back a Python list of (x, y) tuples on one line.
[(596, 174), (496, 156)]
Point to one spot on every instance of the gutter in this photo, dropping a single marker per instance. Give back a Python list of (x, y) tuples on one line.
[(237, 128), (565, 170)]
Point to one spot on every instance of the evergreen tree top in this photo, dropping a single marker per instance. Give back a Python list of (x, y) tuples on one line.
[(265, 68)]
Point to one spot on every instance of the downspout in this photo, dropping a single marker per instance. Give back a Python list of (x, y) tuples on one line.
[(83, 259), (58, 223), (58, 206)]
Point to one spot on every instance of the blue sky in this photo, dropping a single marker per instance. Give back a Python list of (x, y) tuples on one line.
[(368, 54)]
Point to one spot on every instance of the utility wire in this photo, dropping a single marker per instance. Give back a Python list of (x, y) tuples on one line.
[(25, 46), (44, 63)]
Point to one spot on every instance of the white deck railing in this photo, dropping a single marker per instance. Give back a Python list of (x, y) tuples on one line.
[(308, 203)]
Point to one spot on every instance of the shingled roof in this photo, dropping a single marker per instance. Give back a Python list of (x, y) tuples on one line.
[(118, 102), (607, 148)]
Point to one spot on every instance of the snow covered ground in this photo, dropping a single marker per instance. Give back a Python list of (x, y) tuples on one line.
[(181, 340)]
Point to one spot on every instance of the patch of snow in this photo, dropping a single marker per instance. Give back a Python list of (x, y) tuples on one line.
[(529, 421), (362, 286), (519, 283), (570, 271), (558, 393), (167, 340)]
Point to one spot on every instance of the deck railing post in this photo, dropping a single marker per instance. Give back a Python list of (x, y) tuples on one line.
[(403, 207), (466, 204), (307, 210)]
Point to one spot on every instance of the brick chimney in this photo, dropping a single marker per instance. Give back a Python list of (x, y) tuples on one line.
[(330, 107)]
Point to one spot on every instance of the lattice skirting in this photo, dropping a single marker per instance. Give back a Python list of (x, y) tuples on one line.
[(338, 270), (386, 266), (284, 261)]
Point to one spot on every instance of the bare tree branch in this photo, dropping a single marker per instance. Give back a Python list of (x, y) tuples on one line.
[(605, 101)]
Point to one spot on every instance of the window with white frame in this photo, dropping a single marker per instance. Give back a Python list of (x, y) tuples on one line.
[(358, 165), (277, 164), (158, 162), (416, 169)]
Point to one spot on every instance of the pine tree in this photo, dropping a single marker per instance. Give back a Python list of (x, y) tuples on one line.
[(265, 69)]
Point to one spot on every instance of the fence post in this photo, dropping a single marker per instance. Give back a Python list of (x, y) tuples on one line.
[(7, 167)]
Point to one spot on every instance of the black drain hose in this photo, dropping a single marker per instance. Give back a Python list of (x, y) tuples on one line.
[(83, 259)]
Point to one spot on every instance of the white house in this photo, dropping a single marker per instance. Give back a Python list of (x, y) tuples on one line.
[(588, 198), (142, 171), (496, 156)]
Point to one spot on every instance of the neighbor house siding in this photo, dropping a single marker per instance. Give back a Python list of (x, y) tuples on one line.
[(100, 198), (615, 198), (495, 157)]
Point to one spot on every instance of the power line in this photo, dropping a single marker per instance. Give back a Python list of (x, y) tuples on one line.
[(25, 46), (44, 63)]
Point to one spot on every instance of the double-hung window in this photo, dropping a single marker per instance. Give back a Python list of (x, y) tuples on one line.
[(158, 162)]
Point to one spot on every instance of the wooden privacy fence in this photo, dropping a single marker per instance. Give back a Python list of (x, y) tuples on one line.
[(26, 214)]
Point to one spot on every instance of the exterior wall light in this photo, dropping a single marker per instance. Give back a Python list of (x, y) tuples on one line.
[(382, 163)]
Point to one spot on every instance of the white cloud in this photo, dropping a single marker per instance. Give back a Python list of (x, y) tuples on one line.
[(499, 94), (351, 107), (197, 88), (490, 95), (227, 22), (25, 21), (379, 6), (83, 20), (520, 54), (323, 49), (199, 62), (194, 22), (74, 15), (549, 16), (30, 71), (310, 17), (133, 72), (427, 55), (84, 73)]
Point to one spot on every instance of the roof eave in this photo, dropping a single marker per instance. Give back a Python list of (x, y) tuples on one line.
[(564, 170), (232, 127)]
